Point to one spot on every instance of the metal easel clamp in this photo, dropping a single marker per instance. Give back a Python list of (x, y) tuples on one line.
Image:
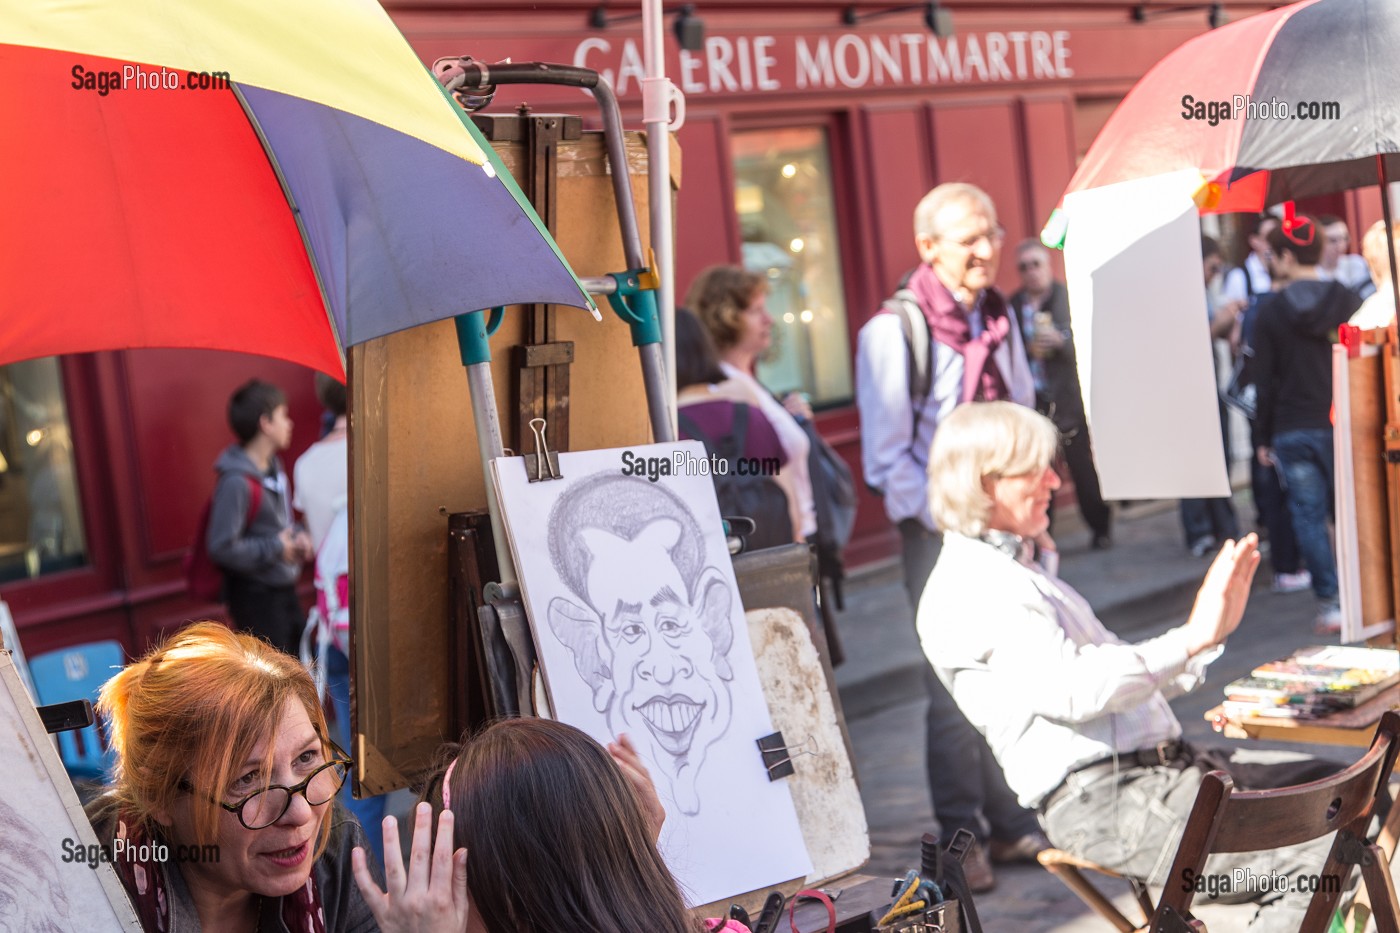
[(543, 464), (474, 330), (778, 755), (635, 302)]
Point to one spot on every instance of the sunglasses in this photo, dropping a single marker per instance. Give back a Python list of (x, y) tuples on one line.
[(1028, 266)]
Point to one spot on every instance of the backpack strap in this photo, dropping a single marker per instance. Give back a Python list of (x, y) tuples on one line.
[(918, 343), (739, 427), (255, 494), (920, 352), (688, 425)]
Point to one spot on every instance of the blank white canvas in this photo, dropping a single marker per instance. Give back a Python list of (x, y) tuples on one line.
[(743, 834), (1137, 298)]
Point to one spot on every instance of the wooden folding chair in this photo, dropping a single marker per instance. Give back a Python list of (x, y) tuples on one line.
[(1224, 820), (1069, 869)]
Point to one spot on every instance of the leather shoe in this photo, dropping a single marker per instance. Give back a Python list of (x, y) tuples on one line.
[(1024, 849), (977, 870)]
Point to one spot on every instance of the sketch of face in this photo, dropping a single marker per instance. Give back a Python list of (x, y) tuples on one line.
[(31, 889), (662, 671)]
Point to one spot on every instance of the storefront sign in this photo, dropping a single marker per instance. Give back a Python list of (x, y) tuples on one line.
[(758, 64)]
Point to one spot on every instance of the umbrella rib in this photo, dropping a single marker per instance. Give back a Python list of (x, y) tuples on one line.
[(296, 215)]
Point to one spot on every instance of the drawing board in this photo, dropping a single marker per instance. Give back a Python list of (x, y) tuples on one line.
[(639, 629), (1142, 339), (44, 888)]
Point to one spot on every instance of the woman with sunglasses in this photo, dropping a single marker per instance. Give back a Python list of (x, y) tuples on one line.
[(221, 817)]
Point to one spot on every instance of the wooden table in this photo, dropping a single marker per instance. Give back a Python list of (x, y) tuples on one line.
[(1348, 727)]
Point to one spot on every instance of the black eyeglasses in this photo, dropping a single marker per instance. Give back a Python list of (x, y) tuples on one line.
[(265, 807)]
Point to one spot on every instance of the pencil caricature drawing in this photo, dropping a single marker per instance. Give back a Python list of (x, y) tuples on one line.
[(648, 622)]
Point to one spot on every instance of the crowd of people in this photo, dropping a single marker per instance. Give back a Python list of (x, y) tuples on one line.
[(1040, 725)]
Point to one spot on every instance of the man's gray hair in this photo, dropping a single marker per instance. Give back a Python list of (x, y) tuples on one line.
[(980, 440), (926, 214)]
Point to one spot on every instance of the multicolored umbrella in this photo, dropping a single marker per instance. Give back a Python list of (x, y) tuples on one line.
[(1283, 105), (277, 178)]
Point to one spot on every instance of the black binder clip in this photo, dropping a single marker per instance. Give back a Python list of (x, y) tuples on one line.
[(543, 464), (778, 755)]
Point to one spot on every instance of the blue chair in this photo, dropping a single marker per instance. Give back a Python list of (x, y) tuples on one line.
[(78, 673)]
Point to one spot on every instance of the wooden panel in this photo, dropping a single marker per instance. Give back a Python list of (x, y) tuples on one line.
[(1366, 387), (981, 144), (899, 175), (178, 424), (414, 461), (1090, 114), (1049, 154), (707, 231)]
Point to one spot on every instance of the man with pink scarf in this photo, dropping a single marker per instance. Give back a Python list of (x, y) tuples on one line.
[(976, 353)]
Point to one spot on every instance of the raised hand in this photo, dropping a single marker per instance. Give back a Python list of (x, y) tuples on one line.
[(625, 754), (432, 896), (1221, 600)]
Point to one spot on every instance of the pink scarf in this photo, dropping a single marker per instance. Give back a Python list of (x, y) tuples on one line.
[(947, 322)]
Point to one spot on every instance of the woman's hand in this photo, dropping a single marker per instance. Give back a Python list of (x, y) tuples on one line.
[(432, 898), (797, 405), (625, 754), (1221, 600)]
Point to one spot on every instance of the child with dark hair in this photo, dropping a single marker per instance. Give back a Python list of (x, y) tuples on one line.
[(561, 834), (251, 534)]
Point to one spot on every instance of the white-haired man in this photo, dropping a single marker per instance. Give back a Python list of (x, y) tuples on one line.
[(947, 338), (1078, 719)]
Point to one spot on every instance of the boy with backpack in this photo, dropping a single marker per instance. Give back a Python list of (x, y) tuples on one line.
[(251, 536)]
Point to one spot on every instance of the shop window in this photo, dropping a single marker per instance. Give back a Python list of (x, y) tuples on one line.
[(41, 525), (787, 215)]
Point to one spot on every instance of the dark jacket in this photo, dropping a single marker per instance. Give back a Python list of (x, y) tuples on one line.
[(250, 550), (1062, 399), (345, 909), (1293, 337)]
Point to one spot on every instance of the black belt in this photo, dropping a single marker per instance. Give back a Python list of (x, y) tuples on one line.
[(1172, 754)]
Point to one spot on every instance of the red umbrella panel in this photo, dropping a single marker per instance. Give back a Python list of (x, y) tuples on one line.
[(227, 176), (1287, 104)]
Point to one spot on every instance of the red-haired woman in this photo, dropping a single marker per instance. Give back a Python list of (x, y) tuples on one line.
[(221, 817)]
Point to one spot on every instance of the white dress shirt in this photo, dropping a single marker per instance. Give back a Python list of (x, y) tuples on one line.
[(1239, 282), (1036, 672), (892, 459), (1351, 271)]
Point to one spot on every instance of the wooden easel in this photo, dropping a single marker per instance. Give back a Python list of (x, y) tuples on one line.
[(1367, 394)]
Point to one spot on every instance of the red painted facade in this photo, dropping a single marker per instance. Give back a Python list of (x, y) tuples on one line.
[(1007, 103)]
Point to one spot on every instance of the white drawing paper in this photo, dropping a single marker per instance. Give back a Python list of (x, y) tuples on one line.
[(1137, 300), (637, 622), (44, 886)]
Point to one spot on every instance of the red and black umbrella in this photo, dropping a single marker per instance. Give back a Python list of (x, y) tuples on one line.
[(1284, 105)]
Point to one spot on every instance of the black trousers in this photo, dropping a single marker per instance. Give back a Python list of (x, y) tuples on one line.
[(1079, 457), (966, 784), (272, 613)]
